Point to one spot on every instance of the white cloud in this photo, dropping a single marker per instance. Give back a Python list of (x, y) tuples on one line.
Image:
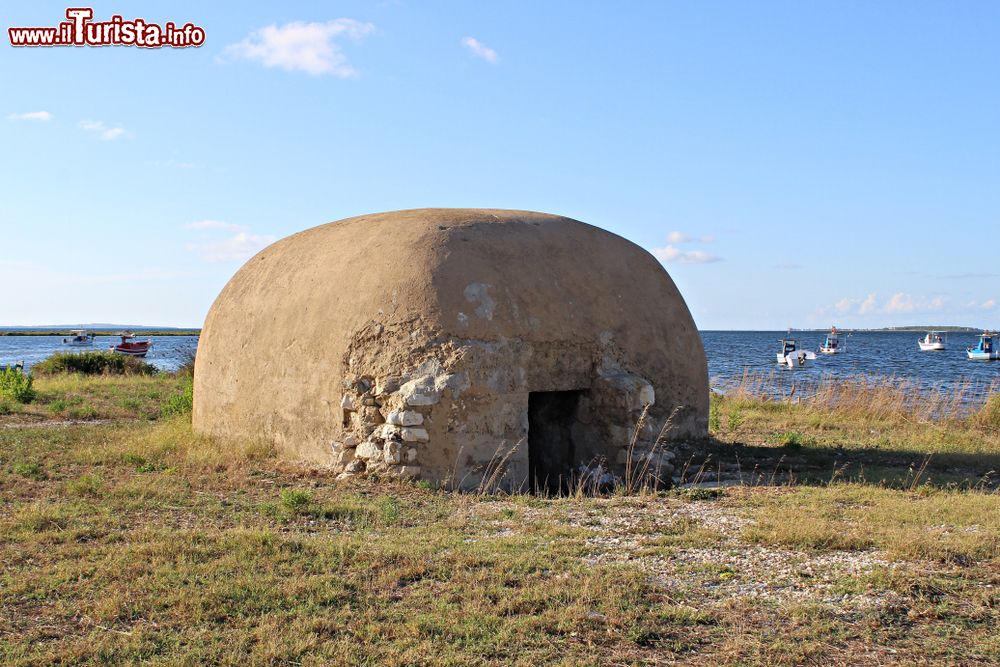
[(238, 247), (106, 133), (202, 225), (845, 305), (896, 304), (479, 49), (900, 303), (31, 115), (680, 237), (303, 47), (670, 253), (989, 304)]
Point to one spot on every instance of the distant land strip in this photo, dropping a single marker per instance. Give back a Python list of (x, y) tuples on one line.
[(101, 332), (910, 329)]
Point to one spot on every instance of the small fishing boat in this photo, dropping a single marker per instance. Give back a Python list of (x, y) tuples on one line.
[(985, 349), (131, 346), (832, 344), (932, 342), (792, 357), (79, 337)]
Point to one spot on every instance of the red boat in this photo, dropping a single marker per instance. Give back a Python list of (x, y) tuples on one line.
[(131, 346)]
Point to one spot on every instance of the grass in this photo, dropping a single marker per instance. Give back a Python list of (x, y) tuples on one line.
[(73, 396), (137, 541)]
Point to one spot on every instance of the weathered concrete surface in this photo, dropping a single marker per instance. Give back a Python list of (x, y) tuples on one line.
[(416, 336)]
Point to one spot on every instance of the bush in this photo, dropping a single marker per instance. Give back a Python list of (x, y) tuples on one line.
[(16, 385), (93, 363), (180, 404)]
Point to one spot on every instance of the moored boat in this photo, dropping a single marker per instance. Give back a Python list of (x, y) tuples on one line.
[(131, 346), (832, 344), (792, 357), (79, 338), (985, 349), (932, 342)]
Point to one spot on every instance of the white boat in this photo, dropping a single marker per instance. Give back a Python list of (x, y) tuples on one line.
[(79, 338), (832, 344), (932, 342), (986, 349), (792, 357)]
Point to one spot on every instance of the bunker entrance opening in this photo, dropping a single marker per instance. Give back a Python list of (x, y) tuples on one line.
[(552, 451)]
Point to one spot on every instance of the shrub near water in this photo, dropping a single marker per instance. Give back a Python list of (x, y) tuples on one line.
[(16, 386), (93, 363)]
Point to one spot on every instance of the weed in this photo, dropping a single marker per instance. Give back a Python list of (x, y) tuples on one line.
[(388, 511), (85, 411), (736, 418), (180, 404), (30, 470), (714, 420), (16, 386), (85, 485), (296, 500)]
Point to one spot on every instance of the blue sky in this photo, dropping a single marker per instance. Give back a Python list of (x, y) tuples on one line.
[(793, 164)]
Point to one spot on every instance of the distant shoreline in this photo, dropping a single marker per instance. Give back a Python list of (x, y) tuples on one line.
[(101, 332), (913, 329)]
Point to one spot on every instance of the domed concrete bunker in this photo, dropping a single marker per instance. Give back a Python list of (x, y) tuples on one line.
[(466, 347)]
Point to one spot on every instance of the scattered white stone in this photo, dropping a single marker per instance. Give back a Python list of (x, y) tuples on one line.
[(411, 454), (387, 432), (414, 434), (347, 402), (368, 450), (392, 453), (405, 418), (355, 466)]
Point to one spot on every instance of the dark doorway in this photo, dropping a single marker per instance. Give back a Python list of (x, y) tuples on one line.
[(551, 451)]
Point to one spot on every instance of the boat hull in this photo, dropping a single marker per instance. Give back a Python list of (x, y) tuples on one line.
[(799, 359), (983, 356), (132, 349), (930, 347)]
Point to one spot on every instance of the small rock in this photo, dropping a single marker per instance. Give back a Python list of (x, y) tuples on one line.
[(368, 450), (343, 457), (391, 453), (347, 402), (411, 454), (354, 466), (387, 386), (405, 418), (414, 434), (350, 442)]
